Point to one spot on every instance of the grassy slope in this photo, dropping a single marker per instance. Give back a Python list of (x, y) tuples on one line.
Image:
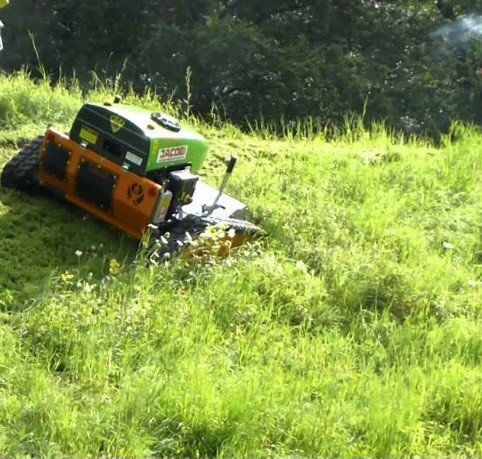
[(352, 330)]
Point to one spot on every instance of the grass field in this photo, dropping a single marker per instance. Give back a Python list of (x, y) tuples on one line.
[(352, 330)]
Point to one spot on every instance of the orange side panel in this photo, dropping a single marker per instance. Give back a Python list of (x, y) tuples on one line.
[(134, 198)]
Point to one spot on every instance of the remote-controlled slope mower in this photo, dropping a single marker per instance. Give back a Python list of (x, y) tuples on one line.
[(135, 170)]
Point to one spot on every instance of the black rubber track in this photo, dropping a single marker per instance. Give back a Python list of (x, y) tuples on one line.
[(20, 173)]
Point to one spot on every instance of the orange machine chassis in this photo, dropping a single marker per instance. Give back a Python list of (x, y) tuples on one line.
[(98, 185)]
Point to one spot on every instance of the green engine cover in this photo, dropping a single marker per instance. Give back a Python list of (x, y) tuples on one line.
[(138, 138)]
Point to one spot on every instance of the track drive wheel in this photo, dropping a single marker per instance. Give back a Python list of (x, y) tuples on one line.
[(21, 172)]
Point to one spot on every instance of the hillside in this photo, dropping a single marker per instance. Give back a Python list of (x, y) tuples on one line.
[(353, 329)]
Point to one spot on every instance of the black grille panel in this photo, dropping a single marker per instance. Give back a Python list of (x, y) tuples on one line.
[(55, 161), (95, 185)]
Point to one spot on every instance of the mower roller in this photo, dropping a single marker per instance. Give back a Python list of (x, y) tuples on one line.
[(135, 170)]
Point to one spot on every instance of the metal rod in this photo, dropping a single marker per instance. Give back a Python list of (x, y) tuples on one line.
[(227, 175)]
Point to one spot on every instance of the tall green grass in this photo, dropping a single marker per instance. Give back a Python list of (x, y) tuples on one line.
[(353, 329)]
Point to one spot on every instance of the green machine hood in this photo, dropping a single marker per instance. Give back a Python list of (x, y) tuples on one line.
[(151, 141)]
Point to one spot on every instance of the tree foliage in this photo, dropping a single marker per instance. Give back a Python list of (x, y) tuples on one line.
[(273, 60)]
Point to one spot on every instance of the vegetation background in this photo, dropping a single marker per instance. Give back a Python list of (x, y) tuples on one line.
[(353, 329), (414, 64)]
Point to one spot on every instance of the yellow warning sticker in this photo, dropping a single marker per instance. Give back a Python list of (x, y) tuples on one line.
[(89, 135), (116, 123)]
